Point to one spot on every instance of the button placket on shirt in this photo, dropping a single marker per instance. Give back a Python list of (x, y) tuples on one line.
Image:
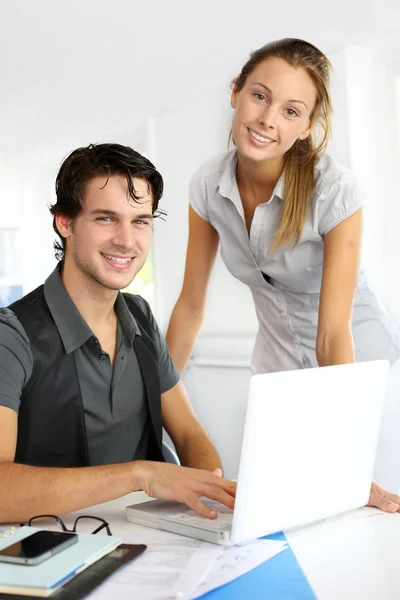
[(102, 355), (257, 252), (255, 232)]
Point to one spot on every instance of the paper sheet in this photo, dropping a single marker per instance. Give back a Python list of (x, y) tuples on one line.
[(169, 569), (237, 561), (178, 568)]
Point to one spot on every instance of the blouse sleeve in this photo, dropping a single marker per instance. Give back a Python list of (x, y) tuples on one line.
[(343, 198)]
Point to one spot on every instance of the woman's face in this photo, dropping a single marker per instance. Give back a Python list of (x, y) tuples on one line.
[(272, 110)]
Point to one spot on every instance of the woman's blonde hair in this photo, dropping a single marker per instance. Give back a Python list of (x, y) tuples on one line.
[(300, 160)]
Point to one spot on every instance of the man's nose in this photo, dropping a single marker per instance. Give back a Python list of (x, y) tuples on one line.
[(124, 236)]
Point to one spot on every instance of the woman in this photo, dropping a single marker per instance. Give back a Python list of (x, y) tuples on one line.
[(289, 222)]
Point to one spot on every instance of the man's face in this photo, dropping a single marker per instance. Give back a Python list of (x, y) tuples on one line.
[(110, 239)]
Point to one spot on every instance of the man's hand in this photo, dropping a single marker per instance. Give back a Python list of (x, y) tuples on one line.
[(170, 482), (382, 499)]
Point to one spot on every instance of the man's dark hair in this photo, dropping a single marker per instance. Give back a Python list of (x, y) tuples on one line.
[(84, 164)]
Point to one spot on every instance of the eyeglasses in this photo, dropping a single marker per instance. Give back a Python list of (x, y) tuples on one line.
[(78, 521)]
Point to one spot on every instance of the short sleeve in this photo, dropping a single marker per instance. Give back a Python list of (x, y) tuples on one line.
[(169, 375), (198, 195), (16, 362), (342, 199)]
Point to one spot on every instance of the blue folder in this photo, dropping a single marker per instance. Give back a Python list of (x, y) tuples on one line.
[(280, 578)]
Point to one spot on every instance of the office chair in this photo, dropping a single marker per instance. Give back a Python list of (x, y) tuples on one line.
[(170, 454)]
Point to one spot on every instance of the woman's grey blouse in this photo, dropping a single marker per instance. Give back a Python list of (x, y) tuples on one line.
[(286, 284)]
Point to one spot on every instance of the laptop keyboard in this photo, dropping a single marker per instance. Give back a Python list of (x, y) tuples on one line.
[(222, 522)]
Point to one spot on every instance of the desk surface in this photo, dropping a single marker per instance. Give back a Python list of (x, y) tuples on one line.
[(354, 556)]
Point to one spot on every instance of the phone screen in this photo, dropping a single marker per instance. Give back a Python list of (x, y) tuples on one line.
[(37, 544)]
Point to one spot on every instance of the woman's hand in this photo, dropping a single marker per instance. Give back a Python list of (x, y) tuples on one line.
[(382, 499)]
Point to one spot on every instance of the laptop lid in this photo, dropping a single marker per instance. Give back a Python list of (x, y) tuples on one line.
[(309, 446)]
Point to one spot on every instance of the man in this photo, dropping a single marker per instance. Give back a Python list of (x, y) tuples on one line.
[(86, 380)]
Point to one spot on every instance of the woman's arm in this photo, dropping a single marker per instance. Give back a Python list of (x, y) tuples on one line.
[(334, 338), (188, 313), (342, 250)]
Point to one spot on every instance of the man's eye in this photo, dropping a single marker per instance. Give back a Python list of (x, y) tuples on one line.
[(104, 219), (259, 96)]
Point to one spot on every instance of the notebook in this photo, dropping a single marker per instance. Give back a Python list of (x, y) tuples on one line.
[(89, 579), (44, 579)]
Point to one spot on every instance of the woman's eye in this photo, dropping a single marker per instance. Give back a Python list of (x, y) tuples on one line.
[(291, 112)]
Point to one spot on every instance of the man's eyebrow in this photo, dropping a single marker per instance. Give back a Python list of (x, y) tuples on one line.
[(144, 216), (113, 213), (270, 91), (104, 211)]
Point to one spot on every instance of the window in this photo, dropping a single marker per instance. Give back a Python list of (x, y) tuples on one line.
[(10, 267), (143, 283)]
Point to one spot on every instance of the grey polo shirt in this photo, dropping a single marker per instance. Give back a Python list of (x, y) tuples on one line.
[(114, 401)]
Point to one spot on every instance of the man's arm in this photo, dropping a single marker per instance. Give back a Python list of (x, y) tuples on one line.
[(28, 491), (191, 441)]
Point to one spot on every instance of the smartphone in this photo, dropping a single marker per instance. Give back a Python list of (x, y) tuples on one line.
[(37, 547)]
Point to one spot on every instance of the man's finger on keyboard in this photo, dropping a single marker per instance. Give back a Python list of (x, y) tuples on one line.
[(201, 509), (219, 495)]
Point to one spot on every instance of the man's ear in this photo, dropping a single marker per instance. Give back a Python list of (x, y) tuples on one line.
[(64, 225), (306, 132)]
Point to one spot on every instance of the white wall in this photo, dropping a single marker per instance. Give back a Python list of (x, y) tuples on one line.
[(10, 196), (26, 190), (370, 156), (388, 198), (37, 234), (364, 140), (10, 216), (339, 146)]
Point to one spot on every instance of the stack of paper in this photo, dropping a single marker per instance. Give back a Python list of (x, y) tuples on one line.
[(175, 567)]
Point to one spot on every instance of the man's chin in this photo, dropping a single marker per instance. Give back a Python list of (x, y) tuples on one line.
[(119, 285), (117, 281)]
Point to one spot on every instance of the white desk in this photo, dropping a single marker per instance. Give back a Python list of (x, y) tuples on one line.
[(352, 557)]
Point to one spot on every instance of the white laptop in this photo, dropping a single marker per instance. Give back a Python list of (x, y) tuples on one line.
[(308, 453)]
